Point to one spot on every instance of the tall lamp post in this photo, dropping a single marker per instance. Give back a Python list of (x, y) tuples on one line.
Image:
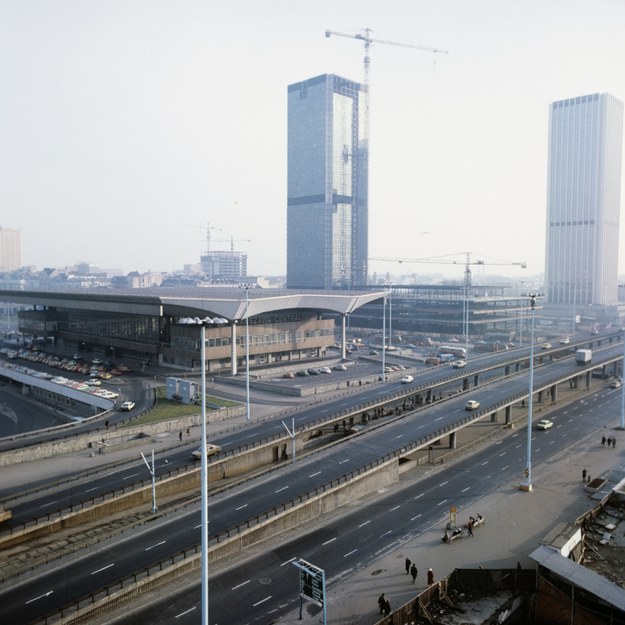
[(203, 470), (247, 352), (527, 484), (384, 335)]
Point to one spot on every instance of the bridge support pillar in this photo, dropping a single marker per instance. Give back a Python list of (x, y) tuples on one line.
[(453, 441), (507, 369), (507, 414), (554, 394), (476, 380), (493, 417)]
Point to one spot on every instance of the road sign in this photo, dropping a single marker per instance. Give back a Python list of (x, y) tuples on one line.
[(312, 584)]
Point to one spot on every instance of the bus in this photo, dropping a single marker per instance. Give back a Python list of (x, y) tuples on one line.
[(454, 350)]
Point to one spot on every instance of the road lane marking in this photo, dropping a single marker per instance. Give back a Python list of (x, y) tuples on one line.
[(350, 553), (315, 474), (443, 483), (464, 490), (415, 517), (419, 495), (108, 566), (386, 533), (156, 545), (288, 561), (393, 509), (45, 594), (241, 584), (241, 507), (127, 477), (342, 461), (327, 542), (185, 612), (261, 601), (365, 523), (281, 489), (440, 503)]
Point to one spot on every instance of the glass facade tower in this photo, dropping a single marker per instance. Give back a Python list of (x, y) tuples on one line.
[(327, 206), (583, 200)]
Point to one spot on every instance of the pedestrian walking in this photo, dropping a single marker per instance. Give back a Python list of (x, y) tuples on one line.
[(408, 563), (614, 442), (603, 441), (180, 435), (381, 603), (584, 472), (414, 572), (430, 577), (609, 441), (470, 527), (387, 607)]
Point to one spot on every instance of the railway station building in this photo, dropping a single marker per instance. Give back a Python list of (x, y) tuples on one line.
[(162, 325)]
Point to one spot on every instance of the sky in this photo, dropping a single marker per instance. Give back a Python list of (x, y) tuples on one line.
[(128, 127)]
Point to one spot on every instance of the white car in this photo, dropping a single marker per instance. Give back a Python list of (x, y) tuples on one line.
[(407, 379), (565, 341), (546, 346), (472, 405), (616, 383), (211, 449), (544, 424), (127, 405), (459, 364)]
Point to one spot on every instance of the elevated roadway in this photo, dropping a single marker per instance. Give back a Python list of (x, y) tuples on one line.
[(252, 505)]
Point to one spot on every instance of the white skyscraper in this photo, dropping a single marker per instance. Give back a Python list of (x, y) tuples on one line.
[(10, 249), (583, 200)]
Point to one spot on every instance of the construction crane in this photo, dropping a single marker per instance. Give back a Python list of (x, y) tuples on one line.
[(232, 240), (208, 233), (367, 39), (446, 260)]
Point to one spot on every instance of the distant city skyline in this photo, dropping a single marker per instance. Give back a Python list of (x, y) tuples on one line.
[(584, 191), (125, 123)]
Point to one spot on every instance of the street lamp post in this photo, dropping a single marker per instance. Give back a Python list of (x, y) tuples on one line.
[(384, 336), (152, 470), (204, 485), (527, 484), (247, 353)]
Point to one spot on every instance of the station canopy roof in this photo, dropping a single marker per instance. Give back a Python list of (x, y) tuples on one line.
[(232, 304)]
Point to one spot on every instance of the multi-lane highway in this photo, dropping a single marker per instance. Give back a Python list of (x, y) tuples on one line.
[(262, 589), (445, 379), (51, 591)]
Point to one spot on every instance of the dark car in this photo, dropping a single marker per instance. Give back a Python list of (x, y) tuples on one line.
[(303, 373), (313, 372)]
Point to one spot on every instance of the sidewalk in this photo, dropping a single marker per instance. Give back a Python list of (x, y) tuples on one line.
[(516, 522)]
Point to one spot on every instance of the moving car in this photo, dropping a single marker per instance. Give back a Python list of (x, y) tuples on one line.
[(407, 379), (616, 383), (544, 424), (546, 346), (472, 405), (211, 450), (127, 405), (565, 340), (459, 364)]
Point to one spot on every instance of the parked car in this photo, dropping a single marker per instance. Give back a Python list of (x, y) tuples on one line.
[(127, 405), (302, 373), (544, 424), (312, 371), (289, 375), (325, 370), (407, 379), (340, 367), (472, 405)]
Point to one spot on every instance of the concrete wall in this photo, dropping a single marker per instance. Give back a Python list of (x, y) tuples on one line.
[(113, 436)]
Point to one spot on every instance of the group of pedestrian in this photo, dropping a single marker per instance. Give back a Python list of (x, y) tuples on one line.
[(411, 569), (610, 441), (384, 604)]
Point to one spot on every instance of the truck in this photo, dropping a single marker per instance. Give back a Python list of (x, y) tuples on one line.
[(583, 356)]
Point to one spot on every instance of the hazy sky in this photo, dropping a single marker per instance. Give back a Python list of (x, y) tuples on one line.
[(126, 126)]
